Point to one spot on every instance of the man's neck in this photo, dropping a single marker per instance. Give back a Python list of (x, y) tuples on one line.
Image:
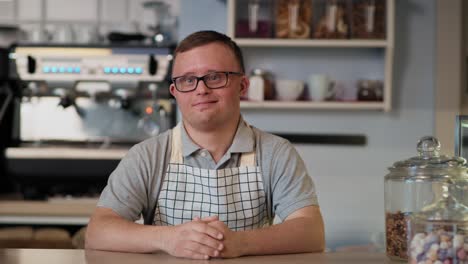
[(217, 141)]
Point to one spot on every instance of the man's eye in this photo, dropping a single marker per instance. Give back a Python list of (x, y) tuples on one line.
[(213, 77), (188, 80)]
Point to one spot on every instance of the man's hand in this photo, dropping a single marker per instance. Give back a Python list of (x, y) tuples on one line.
[(195, 240), (231, 240)]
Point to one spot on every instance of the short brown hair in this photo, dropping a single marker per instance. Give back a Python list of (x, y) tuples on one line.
[(205, 37)]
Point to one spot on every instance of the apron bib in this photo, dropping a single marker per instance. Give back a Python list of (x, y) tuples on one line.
[(235, 195)]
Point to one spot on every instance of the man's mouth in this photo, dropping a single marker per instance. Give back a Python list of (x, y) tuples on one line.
[(203, 103)]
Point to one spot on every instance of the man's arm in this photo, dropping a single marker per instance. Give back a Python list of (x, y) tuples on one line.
[(109, 231), (303, 231)]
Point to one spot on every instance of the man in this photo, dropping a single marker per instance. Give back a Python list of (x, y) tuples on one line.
[(211, 186)]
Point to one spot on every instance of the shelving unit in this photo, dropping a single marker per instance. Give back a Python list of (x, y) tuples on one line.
[(386, 44)]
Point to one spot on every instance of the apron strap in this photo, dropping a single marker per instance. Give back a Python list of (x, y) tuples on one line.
[(176, 145), (246, 159)]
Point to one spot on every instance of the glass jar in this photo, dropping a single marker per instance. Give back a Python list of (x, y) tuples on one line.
[(368, 19), (253, 18), (370, 90), (331, 19), (261, 85), (293, 19), (439, 233), (413, 184)]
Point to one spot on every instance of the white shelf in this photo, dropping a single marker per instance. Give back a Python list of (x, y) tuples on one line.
[(44, 220), (56, 211), (313, 105), (65, 153), (386, 44), (355, 43)]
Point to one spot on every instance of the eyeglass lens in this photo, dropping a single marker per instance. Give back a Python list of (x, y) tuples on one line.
[(213, 80)]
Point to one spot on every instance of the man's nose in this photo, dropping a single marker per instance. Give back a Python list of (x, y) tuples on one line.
[(202, 88)]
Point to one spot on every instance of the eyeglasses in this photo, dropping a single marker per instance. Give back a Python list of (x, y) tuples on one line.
[(213, 80)]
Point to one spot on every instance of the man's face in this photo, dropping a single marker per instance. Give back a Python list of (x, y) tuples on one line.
[(206, 108)]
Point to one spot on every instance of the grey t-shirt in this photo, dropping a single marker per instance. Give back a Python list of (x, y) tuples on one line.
[(133, 187)]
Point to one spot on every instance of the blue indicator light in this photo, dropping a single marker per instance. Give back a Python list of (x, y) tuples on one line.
[(107, 70), (130, 70), (46, 69), (53, 69), (115, 70), (77, 70), (70, 69), (138, 70), (62, 69), (123, 70)]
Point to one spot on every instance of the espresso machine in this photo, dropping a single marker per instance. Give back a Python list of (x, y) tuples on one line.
[(80, 109)]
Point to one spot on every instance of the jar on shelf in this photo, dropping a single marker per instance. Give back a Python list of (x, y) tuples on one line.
[(331, 19), (413, 184), (293, 19), (261, 85), (369, 90), (368, 19), (439, 233), (253, 18)]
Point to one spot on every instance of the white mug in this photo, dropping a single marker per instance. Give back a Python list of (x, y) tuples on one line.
[(320, 87)]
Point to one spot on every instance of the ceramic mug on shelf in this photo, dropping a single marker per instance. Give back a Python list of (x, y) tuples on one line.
[(321, 87), (289, 90)]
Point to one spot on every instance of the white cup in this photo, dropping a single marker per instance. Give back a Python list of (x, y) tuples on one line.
[(321, 87), (289, 90)]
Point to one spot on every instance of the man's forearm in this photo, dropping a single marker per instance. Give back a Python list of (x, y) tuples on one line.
[(293, 236), (108, 232)]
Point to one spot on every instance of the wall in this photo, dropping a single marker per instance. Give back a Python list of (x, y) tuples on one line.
[(349, 180)]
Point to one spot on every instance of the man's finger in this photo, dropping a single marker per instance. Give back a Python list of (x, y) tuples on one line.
[(209, 218), (194, 255), (204, 228)]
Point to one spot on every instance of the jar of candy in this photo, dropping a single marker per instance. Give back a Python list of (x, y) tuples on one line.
[(413, 184), (439, 233)]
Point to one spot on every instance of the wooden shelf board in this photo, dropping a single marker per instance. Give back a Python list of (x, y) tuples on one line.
[(313, 105), (353, 43)]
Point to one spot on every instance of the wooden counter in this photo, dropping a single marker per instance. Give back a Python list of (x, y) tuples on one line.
[(61, 256)]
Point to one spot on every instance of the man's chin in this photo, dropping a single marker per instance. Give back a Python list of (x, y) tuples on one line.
[(206, 123)]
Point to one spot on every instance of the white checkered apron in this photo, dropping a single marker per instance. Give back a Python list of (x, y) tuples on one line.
[(235, 195)]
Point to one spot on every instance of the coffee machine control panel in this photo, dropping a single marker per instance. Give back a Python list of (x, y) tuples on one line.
[(113, 64)]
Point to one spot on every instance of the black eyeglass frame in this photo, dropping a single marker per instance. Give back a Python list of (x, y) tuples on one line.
[(202, 78)]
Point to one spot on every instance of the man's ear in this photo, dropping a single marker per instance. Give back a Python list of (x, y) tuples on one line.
[(245, 83), (172, 89)]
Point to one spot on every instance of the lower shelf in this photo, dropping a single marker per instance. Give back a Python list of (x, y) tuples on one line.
[(57, 212), (313, 105)]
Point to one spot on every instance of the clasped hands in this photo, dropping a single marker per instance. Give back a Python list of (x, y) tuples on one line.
[(203, 239)]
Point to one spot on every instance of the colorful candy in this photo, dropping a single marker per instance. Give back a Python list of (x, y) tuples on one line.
[(439, 248)]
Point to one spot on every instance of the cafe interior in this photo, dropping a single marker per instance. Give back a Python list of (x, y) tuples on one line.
[(371, 93)]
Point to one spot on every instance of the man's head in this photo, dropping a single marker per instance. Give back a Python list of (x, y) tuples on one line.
[(208, 80), (202, 38)]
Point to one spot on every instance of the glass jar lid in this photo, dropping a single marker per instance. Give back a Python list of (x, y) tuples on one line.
[(429, 163)]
